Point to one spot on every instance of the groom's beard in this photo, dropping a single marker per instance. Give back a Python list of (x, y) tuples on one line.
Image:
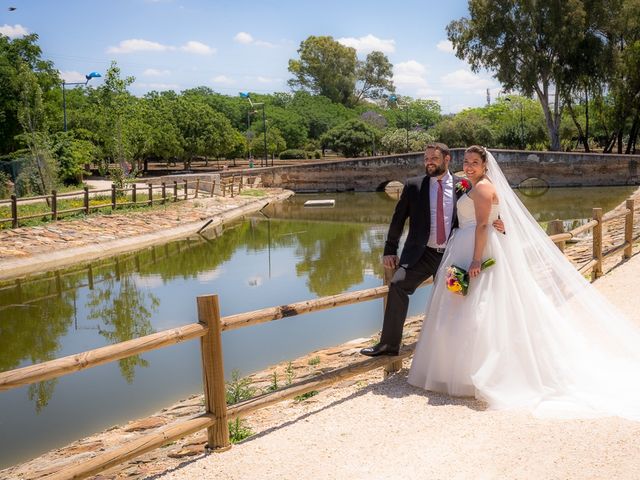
[(435, 170)]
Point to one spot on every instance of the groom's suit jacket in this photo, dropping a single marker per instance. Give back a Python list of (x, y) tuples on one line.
[(414, 203)]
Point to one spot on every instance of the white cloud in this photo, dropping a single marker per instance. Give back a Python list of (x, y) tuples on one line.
[(261, 43), (262, 79), (410, 74), (247, 39), (205, 277), (139, 45), (153, 72), (369, 43), (223, 79), (244, 38), (198, 48), (13, 31), (467, 81), (159, 86), (73, 76), (445, 46)]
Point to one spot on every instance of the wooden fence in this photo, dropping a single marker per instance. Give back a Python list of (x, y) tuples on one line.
[(123, 197), (595, 225), (209, 329)]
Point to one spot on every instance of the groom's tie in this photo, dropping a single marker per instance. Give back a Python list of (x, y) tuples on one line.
[(440, 236)]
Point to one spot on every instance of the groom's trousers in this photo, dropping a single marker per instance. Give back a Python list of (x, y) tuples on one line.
[(404, 283)]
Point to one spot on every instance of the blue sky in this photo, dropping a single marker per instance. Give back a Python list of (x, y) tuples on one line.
[(233, 46)]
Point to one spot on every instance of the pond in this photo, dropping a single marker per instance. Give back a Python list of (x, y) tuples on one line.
[(285, 254)]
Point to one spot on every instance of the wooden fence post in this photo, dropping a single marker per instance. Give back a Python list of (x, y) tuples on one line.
[(392, 367), (597, 244), (150, 201), (86, 201), (164, 193), (213, 372), (134, 196), (14, 211), (197, 187), (113, 196), (555, 227), (54, 205), (90, 276), (186, 189), (175, 190), (240, 184), (628, 229), (232, 184)]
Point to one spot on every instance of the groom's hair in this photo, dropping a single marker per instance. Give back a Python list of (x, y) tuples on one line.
[(444, 150)]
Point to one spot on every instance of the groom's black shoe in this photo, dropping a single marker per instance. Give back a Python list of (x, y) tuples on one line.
[(380, 349)]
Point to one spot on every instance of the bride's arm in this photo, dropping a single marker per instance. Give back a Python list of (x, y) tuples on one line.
[(482, 198)]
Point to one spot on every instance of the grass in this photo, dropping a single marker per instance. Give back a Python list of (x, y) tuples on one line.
[(253, 193), (314, 361), (65, 204), (305, 396)]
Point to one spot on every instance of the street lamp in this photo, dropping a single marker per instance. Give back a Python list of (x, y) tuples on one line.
[(264, 124), (64, 97), (394, 99), (508, 99)]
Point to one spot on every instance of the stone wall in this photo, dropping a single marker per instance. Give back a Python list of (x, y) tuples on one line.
[(555, 169), (563, 169)]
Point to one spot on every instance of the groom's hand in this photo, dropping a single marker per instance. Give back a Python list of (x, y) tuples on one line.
[(498, 224), (390, 261)]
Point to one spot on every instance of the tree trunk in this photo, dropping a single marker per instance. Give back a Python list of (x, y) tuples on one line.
[(633, 134), (581, 137), (552, 120), (586, 121)]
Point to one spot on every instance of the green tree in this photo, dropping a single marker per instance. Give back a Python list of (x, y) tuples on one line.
[(17, 56), (328, 68), (528, 44), (115, 104), (374, 77), (352, 138), (466, 128)]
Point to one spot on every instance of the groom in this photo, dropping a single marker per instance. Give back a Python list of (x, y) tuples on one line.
[(429, 201)]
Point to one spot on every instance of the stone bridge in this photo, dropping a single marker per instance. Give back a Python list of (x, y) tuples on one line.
[(522, 168)]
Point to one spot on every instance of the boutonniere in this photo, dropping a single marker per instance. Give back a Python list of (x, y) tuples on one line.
[(463, 186)]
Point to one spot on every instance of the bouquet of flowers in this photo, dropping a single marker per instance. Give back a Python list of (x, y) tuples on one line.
[(458, 278)]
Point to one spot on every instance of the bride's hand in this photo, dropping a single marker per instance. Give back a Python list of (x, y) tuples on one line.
[(474, 269)]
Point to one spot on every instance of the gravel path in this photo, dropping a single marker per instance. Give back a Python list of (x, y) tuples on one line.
[(378, 428)]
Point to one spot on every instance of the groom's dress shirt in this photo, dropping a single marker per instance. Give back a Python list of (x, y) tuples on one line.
[(449, 198)]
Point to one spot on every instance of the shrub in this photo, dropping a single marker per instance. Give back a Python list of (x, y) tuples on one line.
[(293, 154)]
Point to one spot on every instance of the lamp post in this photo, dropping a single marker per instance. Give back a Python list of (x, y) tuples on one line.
[(64, 96), (264, 124), (508, 99), (394, 99)]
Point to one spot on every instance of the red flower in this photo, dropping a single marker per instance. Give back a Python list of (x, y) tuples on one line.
[(463, 186)]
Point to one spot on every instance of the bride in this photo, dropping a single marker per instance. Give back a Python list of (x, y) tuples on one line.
[(531, 332)]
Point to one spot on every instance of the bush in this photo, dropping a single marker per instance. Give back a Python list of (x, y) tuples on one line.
[(293, 154), (317, 154)]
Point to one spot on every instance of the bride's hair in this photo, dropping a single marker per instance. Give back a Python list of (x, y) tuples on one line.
[(479, 150)]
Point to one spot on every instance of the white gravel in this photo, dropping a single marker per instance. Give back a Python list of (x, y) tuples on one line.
[(375, 428)]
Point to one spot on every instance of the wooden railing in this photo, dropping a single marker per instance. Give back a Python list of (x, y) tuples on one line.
[(122, 197), (595, 225), (209, 329)]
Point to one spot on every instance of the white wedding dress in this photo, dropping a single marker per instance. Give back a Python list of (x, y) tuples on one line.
[(531, 333)]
